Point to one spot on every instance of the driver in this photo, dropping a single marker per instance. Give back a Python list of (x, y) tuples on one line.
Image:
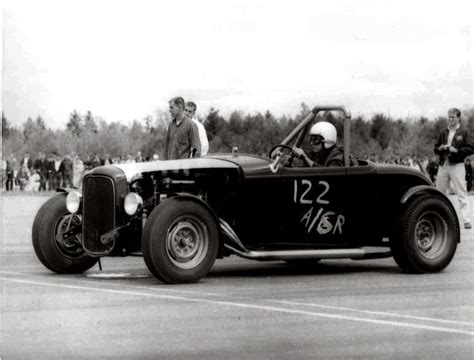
[(324, 152)]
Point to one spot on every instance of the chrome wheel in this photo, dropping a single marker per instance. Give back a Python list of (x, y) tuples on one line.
[(57, 238), (427, 234), (187, 242), (431, 235), (68, 241), (180, 241)]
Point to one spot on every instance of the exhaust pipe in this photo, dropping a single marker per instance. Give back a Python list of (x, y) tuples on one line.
[(299, 254), (238, 248)]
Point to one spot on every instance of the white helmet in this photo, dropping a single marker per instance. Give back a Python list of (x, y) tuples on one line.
[(327, 131)]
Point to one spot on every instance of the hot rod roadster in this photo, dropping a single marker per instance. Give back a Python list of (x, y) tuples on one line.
[(181, 215)]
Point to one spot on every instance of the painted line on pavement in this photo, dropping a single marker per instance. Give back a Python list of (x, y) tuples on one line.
[(382, 313), (158, 287), (22, 267), (249, 306)]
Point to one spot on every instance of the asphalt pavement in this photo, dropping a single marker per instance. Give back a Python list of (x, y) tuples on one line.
[(241, 310)]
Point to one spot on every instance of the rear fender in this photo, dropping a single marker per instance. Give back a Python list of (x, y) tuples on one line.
[(422, 190), (425, 190)]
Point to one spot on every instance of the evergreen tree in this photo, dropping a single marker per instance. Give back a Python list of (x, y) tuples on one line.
[(74, 125), (381, 130), (214, 123), (29, 128), (40, 124), (5, 127), (89, 122)]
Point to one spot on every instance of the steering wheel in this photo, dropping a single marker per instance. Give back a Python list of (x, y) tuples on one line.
[(279, 155), (279, 146)]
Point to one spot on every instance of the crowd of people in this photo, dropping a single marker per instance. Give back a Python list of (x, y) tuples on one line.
[(47, 172)]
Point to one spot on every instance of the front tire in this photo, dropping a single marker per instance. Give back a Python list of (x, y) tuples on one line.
[(180, 241), (63, 255), (427, 235)]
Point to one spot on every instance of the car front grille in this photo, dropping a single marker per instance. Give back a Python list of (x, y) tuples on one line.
[(98, 212)]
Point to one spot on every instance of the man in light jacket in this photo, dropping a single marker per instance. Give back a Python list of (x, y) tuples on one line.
[(190, 112)]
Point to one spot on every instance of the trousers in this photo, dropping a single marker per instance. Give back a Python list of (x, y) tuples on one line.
[(457, 175)]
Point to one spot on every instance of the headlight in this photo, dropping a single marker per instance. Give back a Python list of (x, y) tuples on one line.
[(73, 201), (132, 203)]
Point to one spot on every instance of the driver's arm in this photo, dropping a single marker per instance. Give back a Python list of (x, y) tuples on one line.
[(302, 155)]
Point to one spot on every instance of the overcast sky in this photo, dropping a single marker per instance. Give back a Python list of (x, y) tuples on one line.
[(123, 60)]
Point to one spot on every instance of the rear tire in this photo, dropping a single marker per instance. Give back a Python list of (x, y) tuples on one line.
[(427, 235), (180, 241), (59, 254)]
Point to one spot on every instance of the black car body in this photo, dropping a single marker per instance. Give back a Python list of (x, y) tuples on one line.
[(182, 214)]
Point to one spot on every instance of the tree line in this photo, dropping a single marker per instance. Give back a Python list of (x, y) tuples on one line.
[(88, 135)]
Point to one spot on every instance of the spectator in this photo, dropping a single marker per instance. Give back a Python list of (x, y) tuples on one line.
[(374, 158), (182, 138), (16, 169), (107, 160), (4, 172), (34, 181), (130, 159), (9, 174), (389, 159), (116, 160), (424, 163), (40, 165), (432, 168), (190, 112), (23, 176), (27, 161), (139, 157), (57, 175), (95, 162), (397, 159), (77, 171), (452, 147), (49, 172), (405, 161), (66, 169)]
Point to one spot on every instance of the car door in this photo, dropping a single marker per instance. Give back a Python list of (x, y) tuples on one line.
[(258, 212), (314, 202)]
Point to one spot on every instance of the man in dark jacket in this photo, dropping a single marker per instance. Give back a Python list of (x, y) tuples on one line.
[(54, 175), (10, 174), (66, 170), (324, 152), (452, 147), (40, 165), (51, 172)]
